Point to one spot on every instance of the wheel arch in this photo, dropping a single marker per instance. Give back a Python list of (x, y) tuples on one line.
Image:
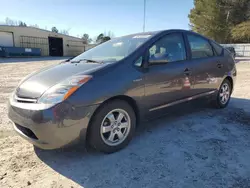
[(230, 79), (125, 98)]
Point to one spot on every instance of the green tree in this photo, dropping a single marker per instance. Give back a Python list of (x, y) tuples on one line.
[(217, 18), (237, 11), (241, 32), (102, 38), (22, 24), (86, 38), (99, 38), (209, 18), (54, 29), (106, 38)]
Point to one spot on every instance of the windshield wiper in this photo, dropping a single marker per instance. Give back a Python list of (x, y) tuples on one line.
[(87, 60)]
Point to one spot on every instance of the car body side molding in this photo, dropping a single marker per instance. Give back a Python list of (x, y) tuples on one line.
[(182, 100)]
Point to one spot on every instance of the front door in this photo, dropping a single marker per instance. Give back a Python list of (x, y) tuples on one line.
[(169, 75)]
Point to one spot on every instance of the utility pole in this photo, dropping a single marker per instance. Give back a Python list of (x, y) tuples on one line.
[(144, 16)]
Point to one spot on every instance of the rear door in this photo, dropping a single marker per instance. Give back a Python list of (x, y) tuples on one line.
[(168, 77), (208, 66)]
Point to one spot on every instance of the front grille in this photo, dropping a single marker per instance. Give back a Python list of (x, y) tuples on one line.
[(26, 131), (25, 100)]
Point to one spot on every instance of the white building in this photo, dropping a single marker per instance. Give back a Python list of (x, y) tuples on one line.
[(50, 43)]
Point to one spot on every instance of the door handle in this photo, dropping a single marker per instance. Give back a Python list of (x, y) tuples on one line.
[(187, 72), (219, 65)]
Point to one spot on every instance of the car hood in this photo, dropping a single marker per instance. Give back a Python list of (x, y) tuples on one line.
[(37, 83)]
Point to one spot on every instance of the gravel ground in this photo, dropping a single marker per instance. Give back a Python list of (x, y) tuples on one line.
[(201, 147)]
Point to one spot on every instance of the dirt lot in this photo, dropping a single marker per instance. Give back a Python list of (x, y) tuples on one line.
[(198, 148)]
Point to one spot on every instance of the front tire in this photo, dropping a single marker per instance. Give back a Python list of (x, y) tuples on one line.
[(223, 96), (112, 127)]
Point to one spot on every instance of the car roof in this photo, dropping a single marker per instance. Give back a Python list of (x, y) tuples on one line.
[(157, 32), (154, 33)]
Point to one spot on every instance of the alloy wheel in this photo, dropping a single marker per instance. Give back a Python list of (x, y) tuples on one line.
[(115, 127), (224, 94)]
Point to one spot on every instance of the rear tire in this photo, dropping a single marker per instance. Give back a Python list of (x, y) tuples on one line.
[(112, 127), (223, 96)]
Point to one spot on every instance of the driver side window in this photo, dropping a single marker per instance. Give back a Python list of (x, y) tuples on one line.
[(168, 49)]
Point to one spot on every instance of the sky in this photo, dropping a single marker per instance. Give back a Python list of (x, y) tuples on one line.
[(121, 17)]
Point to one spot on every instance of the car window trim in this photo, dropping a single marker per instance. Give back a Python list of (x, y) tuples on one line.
[(194, 34), (214, 51), (222, 49), (140, 53), (164, 63)]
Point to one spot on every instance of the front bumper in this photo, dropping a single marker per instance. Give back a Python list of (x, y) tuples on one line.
[(50, 127)]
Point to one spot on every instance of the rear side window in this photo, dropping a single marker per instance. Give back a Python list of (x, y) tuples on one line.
[(200, 47), (217, 48)]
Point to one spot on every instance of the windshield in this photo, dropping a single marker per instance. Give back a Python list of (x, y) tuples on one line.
[(114, 50)]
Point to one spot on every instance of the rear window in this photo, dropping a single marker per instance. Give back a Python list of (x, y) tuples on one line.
[(200, 47)]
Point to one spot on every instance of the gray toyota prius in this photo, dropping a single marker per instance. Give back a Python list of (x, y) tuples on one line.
[(102, 94)]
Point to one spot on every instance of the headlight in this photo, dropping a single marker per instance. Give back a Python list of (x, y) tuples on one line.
[(63, 90)]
